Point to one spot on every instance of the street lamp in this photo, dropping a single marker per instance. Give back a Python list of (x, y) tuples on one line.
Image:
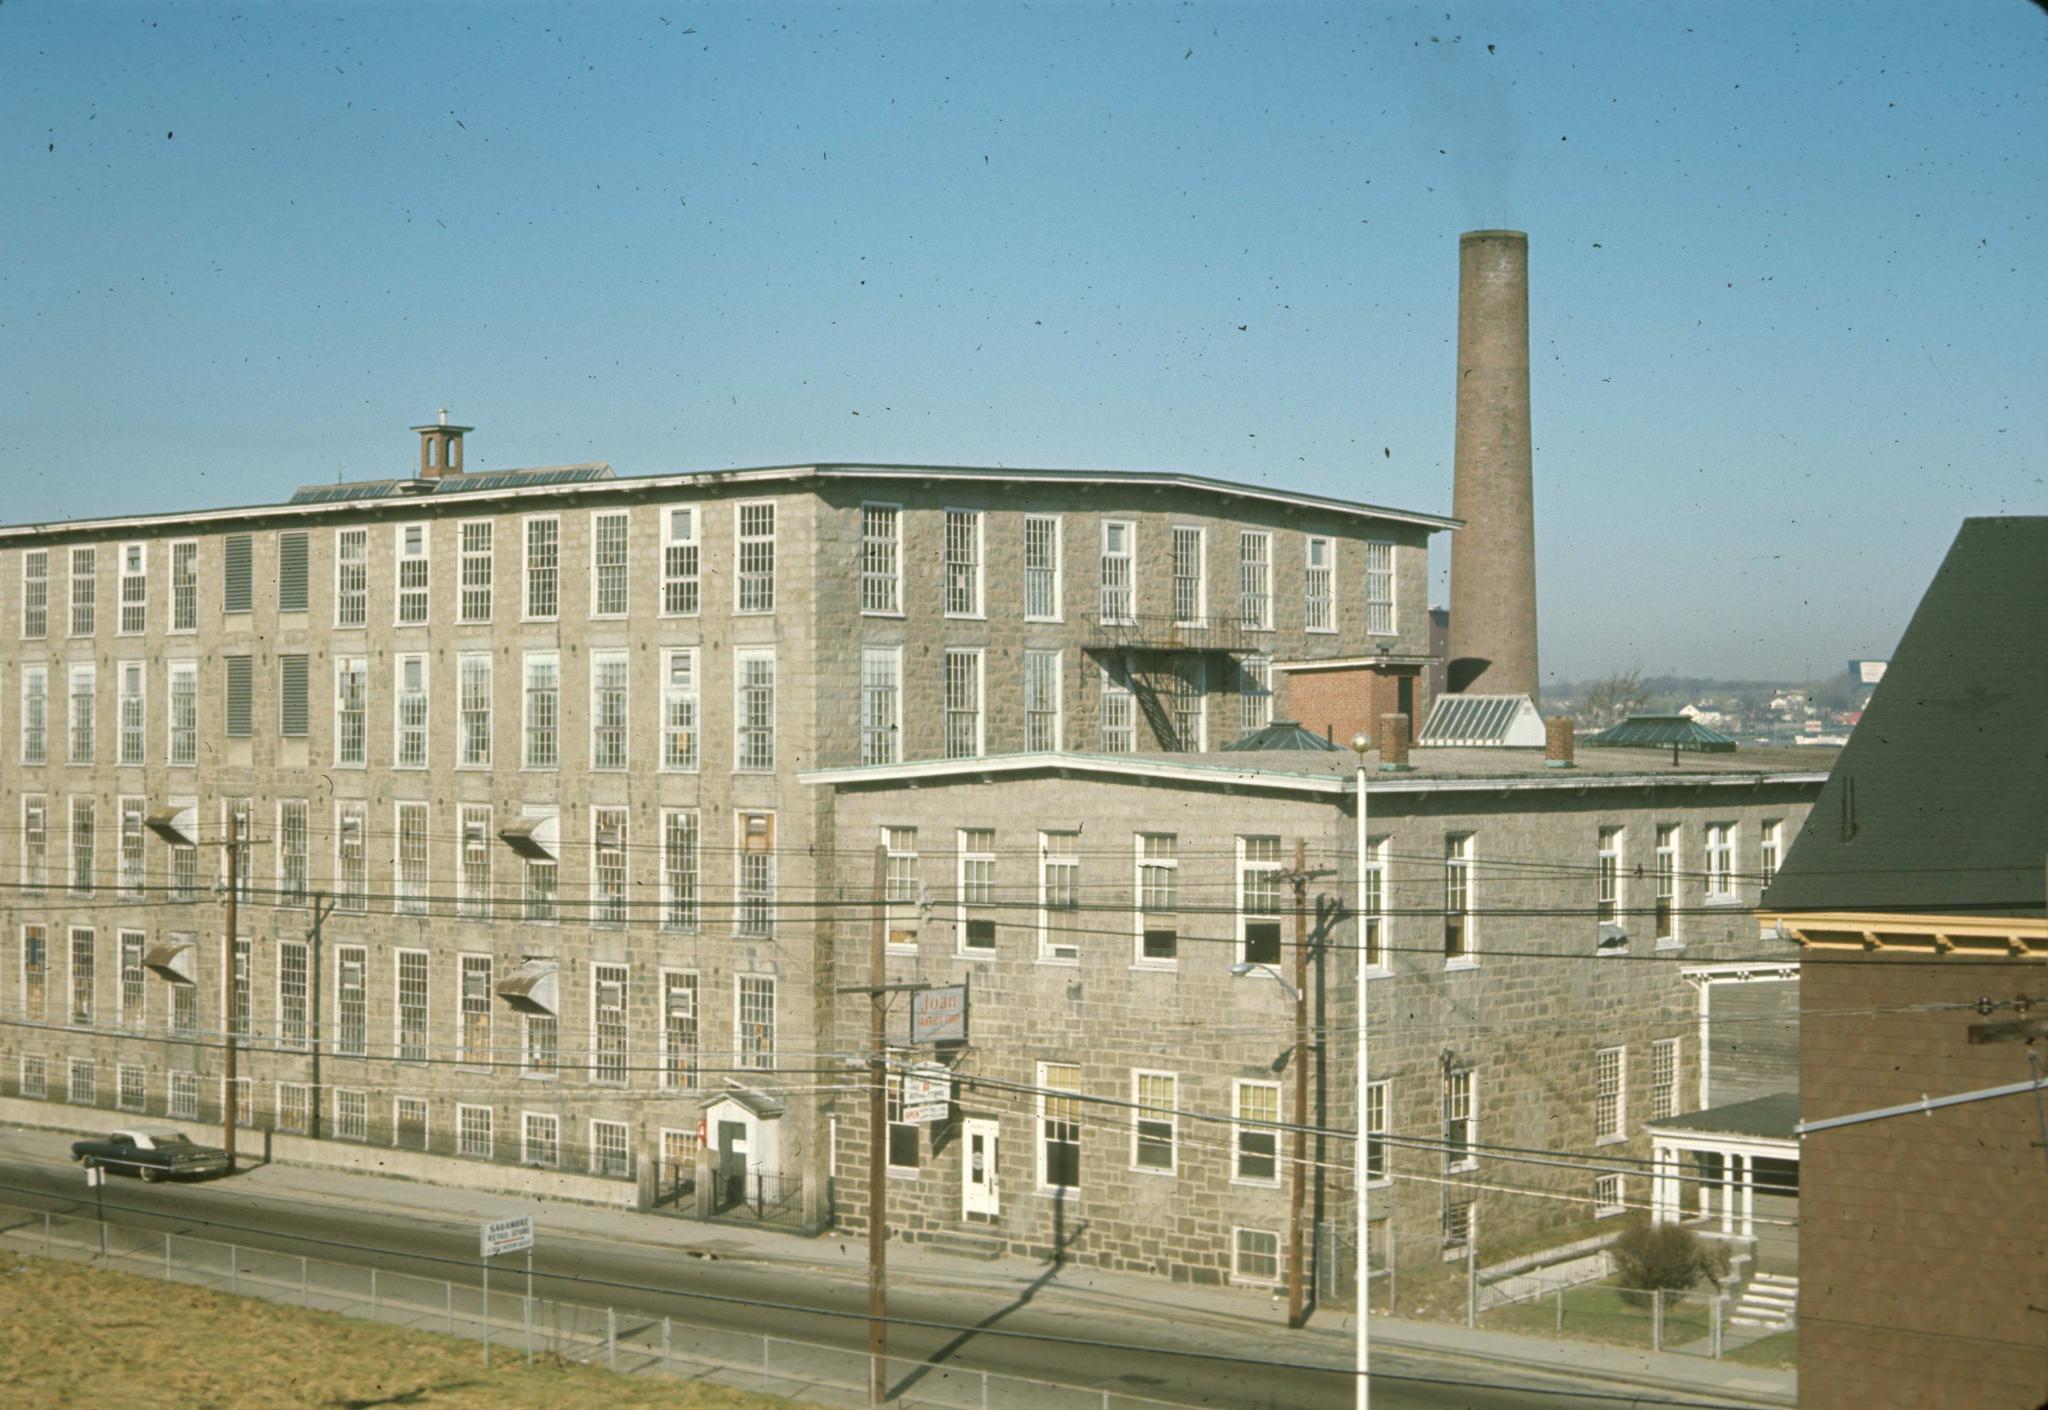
[(1361, 744), (1239, 971)]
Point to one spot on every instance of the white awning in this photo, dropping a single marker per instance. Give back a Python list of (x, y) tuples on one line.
[(173, 960), (177, 824), (534, 987), (535, 837)]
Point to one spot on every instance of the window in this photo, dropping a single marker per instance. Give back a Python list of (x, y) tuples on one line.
[(963, 704), (473, 872), (609, 578), (963, 563), (473, 601), (84, 849), (413, 574), (757, 876), (1255, 1134), (540, 1048), (84, 684), (185, 997), (543, 710), (412, 1005), (608, 1024), (131, 1087), (293, 1026), (608, 710), (351, 1002), (1258, 900), (881, 559), (1379, 588), (609, 1153), (977, 890), (1156, 1124), (134, 590), (1373, 939), (1041, 701), (1254, 693), (1607, 886), (35, 593), (185, 859), (1119, 713), (1041, 568), (130, 1011), (35, 715), (34, 1077), (881, 703), (35, 973), (241, 696), (1376, 1132), (1720, 861), (542, 878), (1461, 1125), (679, 709), (84, 590), (1663, 1078), (351, 710), (351, 1115), (607, 866), (244, 984), (183, 1102), (679, 596), (1458, 1225), (754, 682), (1664, 916), (293, 1101), (409, 1123), (1458, 897), (540, 1140), (473, 709), (35, 843), (1157, 887), (352, 577), (1119, 596), (901, 888), (292, 573), (1188, 686), (410, 747), (679, 874), (293, 705), (543, 569), (1319, 584), (678, 1029), (473, 1130), (292, 852), (1059, 1125), (903, 1141), (1255, 580), (351, 865), (1608, 1199), (82, 958), (184, 713), (1190, 587), (1767, 859), (133, 879), (1059, 895), (1610, 1112), (237, 573), (412, 859), (757, 1021), (1255, 1257), (185, 586), (756, 577), (84, 1084)]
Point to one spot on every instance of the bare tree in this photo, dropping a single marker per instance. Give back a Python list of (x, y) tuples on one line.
[(1612, 699)]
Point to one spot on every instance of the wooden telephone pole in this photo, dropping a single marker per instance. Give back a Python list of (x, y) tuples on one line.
[(878, 1144), (1297, 1292), (227, 990)]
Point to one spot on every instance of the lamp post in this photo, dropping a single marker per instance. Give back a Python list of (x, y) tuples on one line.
[(1362, 745)]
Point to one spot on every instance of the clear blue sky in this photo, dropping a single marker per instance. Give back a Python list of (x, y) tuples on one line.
[(1787, 262)]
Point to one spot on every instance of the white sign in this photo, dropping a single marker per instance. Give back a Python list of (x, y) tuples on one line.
[(927, 1095), (94, 1176), (508, 1235), (939, 1015)]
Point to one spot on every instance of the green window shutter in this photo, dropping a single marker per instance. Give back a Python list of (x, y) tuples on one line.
[(291, 696), (291, 572), (240, 696), (235, 593)]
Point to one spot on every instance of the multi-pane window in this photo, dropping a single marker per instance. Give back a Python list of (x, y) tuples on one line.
[(1770, 850), (134, 590), (1461, 1120), (1158, 888), (902, 886), (881, 559), (84, 1085), (609, 576), (679, 709), (756, 577), (412, 1006), (754, 683), (1059, 895), (244, 988), (1372, 937), (541, 1045), (540, 1140), (473, 1130), (293, 1102), (608, 1024), (473, 709), (1458, 896), (410, 746), (84, 590), (963, 704), (1256, 1135), (1059, 1125), (608, 710), (881, 696), (35, 972), (1608, 1197), (35, 715), (679, 869), (609, 1152), (1255, 1256), (1119, 712), (409, 1123), (351, 1001), (183, 1101), (84, 689), (131, 1087), (185, 997), (608, 866), (1376, 1131), (35, 593), (84, 845), (1379, 588), (1255, 580), (543, 710), (1663, 1078), (352, 577), (1155, 1125), (473, 1037), (1041, 568), (1319, 584), (1186, 688), (756, 913), (131, 721), (542, 876), (1610, 1114), (413, 574), (679, 586), (1041, 700), (473, 599), (82, 966), (1258, 900), (35, 1077), (185, 858), (1664, 915), (1119, 596), (543, 568), (240, 705), (351, 710), (184, 714), (1190, 587), (351, 1114), (963, 563), (351, 858), (1720, 861), (293, 994), (1458, 1225), (130, 1009), (412, 859), (35, 843), (1607, 883), (757, 1021), (678, 1029), (473, 871), (977, 889), (904, 1151), (293, 873), (185, 586)]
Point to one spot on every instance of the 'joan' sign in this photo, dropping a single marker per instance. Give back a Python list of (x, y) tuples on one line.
[(939, 1015)]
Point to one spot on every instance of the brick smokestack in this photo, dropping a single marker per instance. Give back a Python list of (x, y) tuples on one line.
[(1493, 558)]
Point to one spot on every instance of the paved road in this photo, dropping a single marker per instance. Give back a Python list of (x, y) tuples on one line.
[(970, 1325)]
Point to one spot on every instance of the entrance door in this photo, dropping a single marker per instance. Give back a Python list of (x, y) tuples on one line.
[(732, 1164), (980, 1193)]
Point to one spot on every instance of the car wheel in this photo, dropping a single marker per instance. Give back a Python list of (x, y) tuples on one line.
[(88, 1162), (150, 1175)]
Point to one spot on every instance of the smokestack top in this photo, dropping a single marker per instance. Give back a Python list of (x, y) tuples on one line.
[(1521, 235)]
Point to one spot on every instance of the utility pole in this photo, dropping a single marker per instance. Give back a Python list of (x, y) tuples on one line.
[(227, 989), (1298, 1195), (878, 1143), (313, 1095)]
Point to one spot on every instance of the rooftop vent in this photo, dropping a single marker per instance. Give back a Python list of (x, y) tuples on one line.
[(441, 447), (1673, 732), (1482, 721)]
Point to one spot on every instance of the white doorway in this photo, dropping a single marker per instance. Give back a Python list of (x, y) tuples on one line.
[(980, 1190)]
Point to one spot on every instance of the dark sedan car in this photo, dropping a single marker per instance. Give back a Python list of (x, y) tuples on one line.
[(151, 1154)]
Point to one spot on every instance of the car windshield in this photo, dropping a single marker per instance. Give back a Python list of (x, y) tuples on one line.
[(161, 1139)]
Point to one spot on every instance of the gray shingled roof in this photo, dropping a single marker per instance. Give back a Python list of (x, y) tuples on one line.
[(1935, 804), (1775, 1117)]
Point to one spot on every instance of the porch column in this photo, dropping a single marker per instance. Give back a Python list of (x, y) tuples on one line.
[(1749, 1197), (1660, 1183), (1727, 1191)]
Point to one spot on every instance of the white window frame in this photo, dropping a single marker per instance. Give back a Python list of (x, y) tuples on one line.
[(132, 603), (1770, 849), (1610, 849), (1610, 1095), (351, 1001), (1108, 608), (1610, 1194), (131, 714), (401, 1051), (682, 731), (1379, 1106), (351, 855), (1461, 1103), (1318, 584), (611, 1149), (411, 875), (753, 588), (35, 594), (679, 1059), (550, 572), (294, 1000), (881, 704), (881, 559), (958, 709), (1248, 866), (1381, 589), (1145, 1113), (399, 1105), (1044, 729), (1190, 590), (1051, 579), (467, 1116), (1723, 839), (1460, 885), (1069, 1099), (1143, 863), (294, 851), (757, 760), (902, 888), (475, 680), (1255, 580), (610, 1031), (412, 603), (184, 587), (682, 886), (344, 668), (412, 712), (751, 1054), (81, 720), (1665, 1054), (476, 565), (540, 1140), (1669, 838), (527, 726), (1237, 1258), (1375, 942), (132, 870), (608, 579), (611, 729), (35, 714), (610, 884), (84, 587), (972, 892), (1244, 1124), (474, 843), (351, 579), (681, 561), (1119, 712), (963, 529), (1050, 950)]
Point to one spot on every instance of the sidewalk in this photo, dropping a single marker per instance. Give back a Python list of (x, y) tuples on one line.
[(1327, 1340)]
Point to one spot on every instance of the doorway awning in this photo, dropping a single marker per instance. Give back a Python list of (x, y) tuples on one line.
[(174, 960), (534, 987)]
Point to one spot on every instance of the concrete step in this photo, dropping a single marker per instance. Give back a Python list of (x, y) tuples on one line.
[(964, 1243), (1773, 1323)]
